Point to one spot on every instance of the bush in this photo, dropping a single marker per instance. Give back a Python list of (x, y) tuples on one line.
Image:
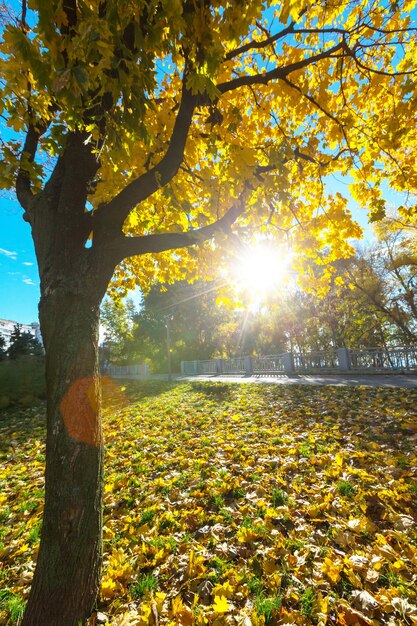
[(21, 381)]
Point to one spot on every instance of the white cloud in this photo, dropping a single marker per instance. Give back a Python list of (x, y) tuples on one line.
[(27, 263), (28, 281), (9, 253)]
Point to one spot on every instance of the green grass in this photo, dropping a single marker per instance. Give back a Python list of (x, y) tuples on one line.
[(279, 497), (346, 489), (307, 602), (21, 381), (267, 607), (145, 584), (13, 605)]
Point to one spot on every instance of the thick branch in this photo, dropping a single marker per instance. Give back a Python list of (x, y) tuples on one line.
[(259, 45), (134, 246), (113, 214), (23, 184)]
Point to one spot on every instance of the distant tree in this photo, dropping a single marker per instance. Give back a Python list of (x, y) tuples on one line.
[(200, 329), (23, 344), (384, 278), (3, 349), (118, 320)]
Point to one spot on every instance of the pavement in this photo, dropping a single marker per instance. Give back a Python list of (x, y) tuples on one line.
[(355, 380)]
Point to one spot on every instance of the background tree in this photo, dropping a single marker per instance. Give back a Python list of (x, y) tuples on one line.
[(118, 321), (199, 328), (3, 348), (138, 129), (23, 344), (385, 281)]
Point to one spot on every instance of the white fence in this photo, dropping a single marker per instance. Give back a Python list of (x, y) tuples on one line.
[(126, 371), (270, 364), (383, 359), (316, 361), (403, 359)]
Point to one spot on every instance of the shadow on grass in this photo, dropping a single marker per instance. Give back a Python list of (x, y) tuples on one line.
[(222, 392), (137, 390), (21, 423)]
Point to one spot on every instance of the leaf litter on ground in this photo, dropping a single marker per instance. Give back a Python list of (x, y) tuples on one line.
[(236, 504)]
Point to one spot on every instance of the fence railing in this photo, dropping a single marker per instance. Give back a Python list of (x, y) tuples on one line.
[(401, 359), (125, 371), (384, 359), (270, 364), (207, 367), (233, 366), (315, 361)]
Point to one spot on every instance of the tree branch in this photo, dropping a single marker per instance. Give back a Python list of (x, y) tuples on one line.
[(23, 184), (278, 72), (113, 214), (133, 246), (259, 45)]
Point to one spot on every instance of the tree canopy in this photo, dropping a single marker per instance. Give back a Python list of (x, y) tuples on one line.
[(197, 113)]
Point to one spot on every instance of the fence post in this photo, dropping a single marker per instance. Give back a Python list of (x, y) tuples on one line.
[(182, 367), (248, 365), (195, 367), (219, 366), (288, 362), (343, 358)]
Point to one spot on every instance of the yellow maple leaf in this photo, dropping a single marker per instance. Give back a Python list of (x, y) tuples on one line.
[(220, 604), (108, 588), (245, 535)]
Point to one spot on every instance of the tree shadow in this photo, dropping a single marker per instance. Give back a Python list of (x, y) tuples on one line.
[(215, 391)]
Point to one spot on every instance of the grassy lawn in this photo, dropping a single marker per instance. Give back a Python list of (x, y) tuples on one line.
[(236, 504)]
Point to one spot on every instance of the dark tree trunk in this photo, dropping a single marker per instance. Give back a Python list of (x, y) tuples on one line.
[(67, 574), (73, 282)]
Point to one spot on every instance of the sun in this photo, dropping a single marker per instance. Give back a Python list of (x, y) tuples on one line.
[(261, 270)]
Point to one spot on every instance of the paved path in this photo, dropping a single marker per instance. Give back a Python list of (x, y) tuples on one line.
[(369, 380)]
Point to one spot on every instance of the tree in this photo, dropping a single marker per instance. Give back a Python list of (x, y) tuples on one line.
[(139, 129), (199, 328), (3, 349), (23, 344), (385, 280), (118, 320)]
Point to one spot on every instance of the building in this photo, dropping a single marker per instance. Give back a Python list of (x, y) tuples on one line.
[(7, 327)]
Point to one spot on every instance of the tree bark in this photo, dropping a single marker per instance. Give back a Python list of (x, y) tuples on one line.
[(67, 575)]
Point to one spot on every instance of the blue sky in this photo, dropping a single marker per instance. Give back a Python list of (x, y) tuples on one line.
[(18, 270)]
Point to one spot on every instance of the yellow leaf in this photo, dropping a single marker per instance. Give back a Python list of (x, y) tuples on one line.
[(108, 588), (245, 535), (220, 604), (322, 607), (332, 569), (225, 590)]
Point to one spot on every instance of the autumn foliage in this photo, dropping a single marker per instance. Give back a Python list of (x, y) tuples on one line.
[(245, 504)]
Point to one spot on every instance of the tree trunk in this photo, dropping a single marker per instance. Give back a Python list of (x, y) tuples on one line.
[(67, 575)]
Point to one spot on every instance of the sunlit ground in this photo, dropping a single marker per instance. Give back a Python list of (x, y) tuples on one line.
[(245, 505)]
